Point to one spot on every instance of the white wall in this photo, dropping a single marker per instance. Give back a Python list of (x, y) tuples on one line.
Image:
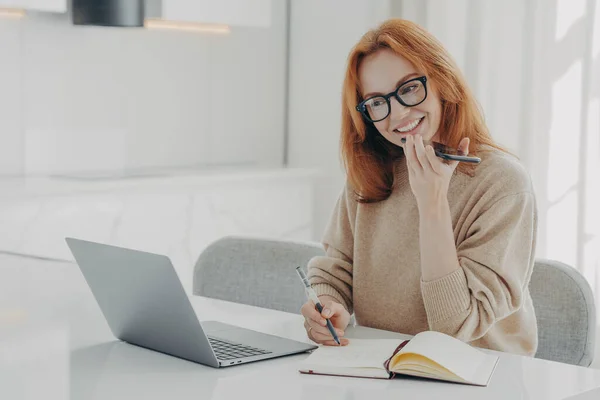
[(322, 34), (11, 142), (77, 98)]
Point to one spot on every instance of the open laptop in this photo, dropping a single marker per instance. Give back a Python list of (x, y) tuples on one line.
[(145, 304)]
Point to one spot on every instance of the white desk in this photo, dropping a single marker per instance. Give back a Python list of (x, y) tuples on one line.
[(61, 346)]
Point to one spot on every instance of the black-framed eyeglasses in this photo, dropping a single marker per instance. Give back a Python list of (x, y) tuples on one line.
[(410, 93)]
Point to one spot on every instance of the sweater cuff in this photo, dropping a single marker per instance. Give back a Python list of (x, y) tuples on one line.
[(324, 289), (446, 297)]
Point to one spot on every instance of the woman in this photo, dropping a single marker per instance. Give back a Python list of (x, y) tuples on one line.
[(416, 243)]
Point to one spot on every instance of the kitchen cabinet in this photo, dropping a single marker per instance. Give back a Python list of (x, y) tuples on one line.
[(57, 6), (248, 13)]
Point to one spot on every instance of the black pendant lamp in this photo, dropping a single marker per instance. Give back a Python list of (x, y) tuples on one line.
[(118, 13)]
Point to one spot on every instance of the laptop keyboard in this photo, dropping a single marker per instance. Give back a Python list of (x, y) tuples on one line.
[(229, 351)]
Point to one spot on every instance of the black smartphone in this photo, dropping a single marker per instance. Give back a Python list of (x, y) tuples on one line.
[(448, 153)]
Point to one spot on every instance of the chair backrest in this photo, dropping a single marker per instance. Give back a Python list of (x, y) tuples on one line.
[(565, 313), (261, 273), (253, 271)]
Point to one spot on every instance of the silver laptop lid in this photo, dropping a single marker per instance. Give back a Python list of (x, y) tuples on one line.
[(143, 300)]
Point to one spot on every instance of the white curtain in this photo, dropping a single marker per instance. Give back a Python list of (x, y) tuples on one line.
[(535, 67)]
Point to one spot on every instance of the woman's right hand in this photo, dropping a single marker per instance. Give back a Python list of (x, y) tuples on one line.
[(316, 325)]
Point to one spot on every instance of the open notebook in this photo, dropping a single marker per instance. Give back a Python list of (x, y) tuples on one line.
[(428, 354)]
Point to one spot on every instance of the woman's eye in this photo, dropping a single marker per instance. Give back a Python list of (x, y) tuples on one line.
[(409, 89)]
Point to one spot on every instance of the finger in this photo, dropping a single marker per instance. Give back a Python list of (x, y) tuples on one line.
[(319, 338), (316, 332), (332, 308), (323, 329), (344, 342), (422, 154), (323, 336), (434, 162), (463, 146), (463, 149), (309, 312), (411, 157)]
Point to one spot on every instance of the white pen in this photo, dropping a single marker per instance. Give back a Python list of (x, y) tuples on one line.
[(310, 293)]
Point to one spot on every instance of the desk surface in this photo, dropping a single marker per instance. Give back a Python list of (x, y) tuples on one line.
[(55, 344)]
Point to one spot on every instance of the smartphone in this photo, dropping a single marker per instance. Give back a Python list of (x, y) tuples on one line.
[(448, 153)]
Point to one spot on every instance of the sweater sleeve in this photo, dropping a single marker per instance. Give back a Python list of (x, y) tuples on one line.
[(331, 274), (496, 259)]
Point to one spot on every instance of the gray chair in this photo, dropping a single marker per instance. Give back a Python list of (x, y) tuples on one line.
[(253, 271), (565, 313), (261, 273)]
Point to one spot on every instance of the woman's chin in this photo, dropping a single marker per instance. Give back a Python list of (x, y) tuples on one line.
[(399, 139)]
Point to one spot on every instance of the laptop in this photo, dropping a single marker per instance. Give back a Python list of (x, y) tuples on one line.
[(145, 304)]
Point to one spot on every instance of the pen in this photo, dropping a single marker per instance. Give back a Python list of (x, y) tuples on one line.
[(310, 293)]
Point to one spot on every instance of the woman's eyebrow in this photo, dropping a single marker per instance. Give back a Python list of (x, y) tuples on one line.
[(404, 79)]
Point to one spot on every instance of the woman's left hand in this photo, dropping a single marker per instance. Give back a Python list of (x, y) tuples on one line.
[(429, 175)]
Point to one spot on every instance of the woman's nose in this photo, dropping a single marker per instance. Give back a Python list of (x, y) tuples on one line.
[(397, 110)]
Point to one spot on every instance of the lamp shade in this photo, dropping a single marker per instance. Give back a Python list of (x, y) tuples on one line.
[(118, 13)]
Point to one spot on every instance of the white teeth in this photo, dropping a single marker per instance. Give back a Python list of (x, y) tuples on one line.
[(410, 126)]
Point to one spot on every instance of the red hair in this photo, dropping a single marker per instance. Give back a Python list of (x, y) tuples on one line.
[(368, 157)]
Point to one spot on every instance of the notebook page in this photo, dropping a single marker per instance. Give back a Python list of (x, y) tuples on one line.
[(360, 353), (456, 356), (485, 371)]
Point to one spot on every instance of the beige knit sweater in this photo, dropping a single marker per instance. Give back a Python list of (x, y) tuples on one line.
[(373, 268)]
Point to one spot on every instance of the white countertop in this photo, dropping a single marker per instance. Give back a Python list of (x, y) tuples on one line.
[(32, 186), (172, 212)]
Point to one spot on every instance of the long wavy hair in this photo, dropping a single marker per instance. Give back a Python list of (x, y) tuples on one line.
[(367, 156)]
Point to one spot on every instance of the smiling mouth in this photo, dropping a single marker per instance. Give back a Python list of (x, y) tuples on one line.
[(410, 127)]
